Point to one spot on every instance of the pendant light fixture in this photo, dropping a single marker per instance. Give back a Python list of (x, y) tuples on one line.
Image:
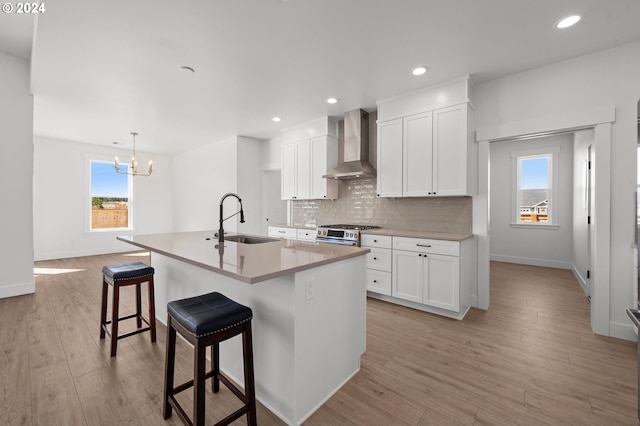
[(133, 171)]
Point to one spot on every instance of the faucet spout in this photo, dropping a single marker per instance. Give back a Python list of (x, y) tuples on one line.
[(222, 218)]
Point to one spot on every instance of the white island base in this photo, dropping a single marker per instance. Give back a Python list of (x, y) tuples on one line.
[(309, 328)]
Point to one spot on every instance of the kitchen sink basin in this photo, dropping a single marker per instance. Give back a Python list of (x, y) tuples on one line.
[(249, 239)]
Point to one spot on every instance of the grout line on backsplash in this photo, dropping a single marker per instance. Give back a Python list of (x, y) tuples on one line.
[(359, 204)]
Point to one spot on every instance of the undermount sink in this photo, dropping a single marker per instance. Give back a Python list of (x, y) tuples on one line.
[(249, 239)]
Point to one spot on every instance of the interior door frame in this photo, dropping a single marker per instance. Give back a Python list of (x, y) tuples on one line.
[(600, 120)]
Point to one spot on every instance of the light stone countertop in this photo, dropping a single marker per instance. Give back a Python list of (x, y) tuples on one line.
[(284, 225), (401, 233), (249, 263), (418, 234)]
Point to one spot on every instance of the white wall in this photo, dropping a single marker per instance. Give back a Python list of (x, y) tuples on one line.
[(200, 178), (249, 185), (608, 78), (581, 263), (16, 167), (60, 194), (542, 246), (271, 154)]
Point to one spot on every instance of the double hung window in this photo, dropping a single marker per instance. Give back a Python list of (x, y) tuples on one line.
[(535, 174)]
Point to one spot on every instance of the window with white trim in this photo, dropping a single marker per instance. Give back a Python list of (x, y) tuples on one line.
[(109, 198), (535, 177)]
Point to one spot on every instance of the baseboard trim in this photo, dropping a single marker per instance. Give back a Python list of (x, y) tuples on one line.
[(547, 263), (66, 254), (622, 331), (578, 276), (13, 290)]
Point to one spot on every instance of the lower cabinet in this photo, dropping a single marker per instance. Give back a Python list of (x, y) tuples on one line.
[(431, 279), (306, 234), (302, 234), (431, 275), (378, 263), (428, 272), (283, 232)]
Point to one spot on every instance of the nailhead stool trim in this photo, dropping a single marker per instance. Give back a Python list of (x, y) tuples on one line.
[(124, 274), (206, 321)]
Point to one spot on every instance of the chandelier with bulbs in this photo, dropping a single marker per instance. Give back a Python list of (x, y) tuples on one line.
[(133, 170)]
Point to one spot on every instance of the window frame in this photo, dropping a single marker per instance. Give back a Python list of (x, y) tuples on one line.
[(552, 153), (87, 199)]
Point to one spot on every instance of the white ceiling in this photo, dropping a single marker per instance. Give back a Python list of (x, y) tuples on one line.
[(103, 69)]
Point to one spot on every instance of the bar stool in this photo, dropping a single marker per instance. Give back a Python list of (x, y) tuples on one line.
[(206, 321), (119, 276)]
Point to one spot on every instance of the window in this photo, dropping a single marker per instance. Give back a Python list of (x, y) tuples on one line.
[(534, 176), (110, 197)]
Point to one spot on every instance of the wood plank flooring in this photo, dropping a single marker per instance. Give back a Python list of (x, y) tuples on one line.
[(531, 359)]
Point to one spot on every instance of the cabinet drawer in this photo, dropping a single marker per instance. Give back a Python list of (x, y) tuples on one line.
[(282, 232), (381, 241), (306, 234), (423, 245), (378, 282), (379, 259)]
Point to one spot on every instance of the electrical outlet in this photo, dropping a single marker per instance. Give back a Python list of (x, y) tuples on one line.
[(308, 289)]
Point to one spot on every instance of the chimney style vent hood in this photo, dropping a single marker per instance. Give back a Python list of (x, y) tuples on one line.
[(356, 148)]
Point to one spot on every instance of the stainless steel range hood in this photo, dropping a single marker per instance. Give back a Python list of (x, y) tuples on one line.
[(356, 148)]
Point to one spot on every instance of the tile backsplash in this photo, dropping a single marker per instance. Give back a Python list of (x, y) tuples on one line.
[(359, 204)]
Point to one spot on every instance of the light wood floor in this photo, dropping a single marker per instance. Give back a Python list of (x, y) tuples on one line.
[(531, 359)]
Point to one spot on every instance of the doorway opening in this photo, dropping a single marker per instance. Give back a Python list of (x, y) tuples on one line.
[(599, 232)]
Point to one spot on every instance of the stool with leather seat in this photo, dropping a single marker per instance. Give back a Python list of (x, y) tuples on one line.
[(125, 274), (206, 321)]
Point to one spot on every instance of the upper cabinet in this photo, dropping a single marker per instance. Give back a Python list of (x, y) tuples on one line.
[(425, 144), (308, 152)]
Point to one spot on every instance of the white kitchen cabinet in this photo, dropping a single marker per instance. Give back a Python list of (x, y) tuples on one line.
[(324, 157), (452, 168), (425, 143), (378, 281), (378, 263), (422, 274), (390, 158), (417, 155), (306, 234), (441, 283), (425, 155), (408, 275), (308, 151), (283, 232), (290, 233), (296, 170)]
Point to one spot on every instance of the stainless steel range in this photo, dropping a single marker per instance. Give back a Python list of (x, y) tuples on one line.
[(341, 234)]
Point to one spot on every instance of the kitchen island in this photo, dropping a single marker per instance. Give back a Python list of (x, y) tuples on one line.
[(308, 301)]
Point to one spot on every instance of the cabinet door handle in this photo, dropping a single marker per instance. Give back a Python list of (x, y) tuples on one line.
[(375, 258), (375, 281), (423, 245), (282, 232), (375, 241), (420, 254)]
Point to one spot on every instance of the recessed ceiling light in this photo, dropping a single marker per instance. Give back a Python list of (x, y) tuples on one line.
[(187, 70), (567, 22), (332, 101), (277, 119), (419, 71)]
